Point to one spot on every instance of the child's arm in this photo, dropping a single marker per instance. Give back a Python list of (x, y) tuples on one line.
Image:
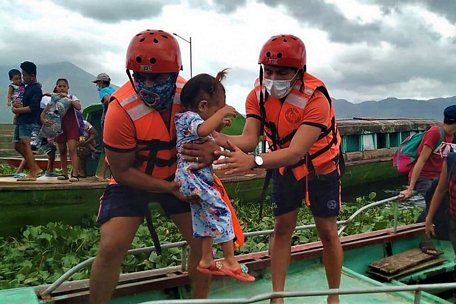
[(44, 121), (9, 95), (213, 122)]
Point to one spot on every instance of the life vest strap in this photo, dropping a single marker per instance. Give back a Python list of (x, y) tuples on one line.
[(152, 231), (152, 147)]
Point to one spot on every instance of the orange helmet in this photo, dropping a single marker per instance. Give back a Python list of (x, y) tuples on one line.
[(154, 51), (284, 50)]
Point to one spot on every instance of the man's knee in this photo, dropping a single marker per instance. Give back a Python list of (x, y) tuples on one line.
[(284, 228), (327, 230), (112, 251)]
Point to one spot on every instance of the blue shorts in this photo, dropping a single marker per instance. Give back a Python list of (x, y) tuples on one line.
[(25, 131), (288, 193), (123, 201)]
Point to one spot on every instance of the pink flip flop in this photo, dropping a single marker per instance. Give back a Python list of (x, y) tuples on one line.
[(241, 274), (214, 269)]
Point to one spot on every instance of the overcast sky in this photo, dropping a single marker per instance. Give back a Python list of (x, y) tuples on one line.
[(362, 50)]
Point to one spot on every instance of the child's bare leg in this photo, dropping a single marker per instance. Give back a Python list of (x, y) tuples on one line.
[(228, 253), (21, 166), (207, 259)]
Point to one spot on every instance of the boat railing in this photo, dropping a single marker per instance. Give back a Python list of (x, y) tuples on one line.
[(183, 244), (416, 289)]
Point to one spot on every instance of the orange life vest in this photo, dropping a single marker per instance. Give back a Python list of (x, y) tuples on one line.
[(156, 150), (282, 119), (238, 233)]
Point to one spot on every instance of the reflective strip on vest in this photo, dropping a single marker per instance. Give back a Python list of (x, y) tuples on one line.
[(139, 111)]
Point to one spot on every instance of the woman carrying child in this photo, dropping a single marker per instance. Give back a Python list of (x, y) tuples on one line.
[(70, 134)]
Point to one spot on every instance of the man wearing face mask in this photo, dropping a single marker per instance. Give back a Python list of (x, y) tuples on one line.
[(140, 145), (296, 113)]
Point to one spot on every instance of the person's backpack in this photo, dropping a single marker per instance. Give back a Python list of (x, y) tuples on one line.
[(406, 155)]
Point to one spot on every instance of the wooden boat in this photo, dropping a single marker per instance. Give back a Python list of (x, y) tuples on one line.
[(406, 275)]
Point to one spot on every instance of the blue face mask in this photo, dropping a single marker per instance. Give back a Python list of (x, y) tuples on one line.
[(159, 95)]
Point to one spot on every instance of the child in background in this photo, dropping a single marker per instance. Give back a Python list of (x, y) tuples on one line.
[(86, 146), (15, 90), (203, 98)]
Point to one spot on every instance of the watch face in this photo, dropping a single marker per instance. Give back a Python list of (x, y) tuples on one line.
[(258, 160)]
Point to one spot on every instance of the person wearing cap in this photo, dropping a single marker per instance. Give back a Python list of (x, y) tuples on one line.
[(295, 111), (431, 155), (103, 82), (139, 137)]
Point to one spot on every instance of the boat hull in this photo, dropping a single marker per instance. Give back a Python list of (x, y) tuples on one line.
[(306, 272)]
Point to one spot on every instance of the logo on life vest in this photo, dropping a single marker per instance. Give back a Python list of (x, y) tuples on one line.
[(331, 204), (292, 116)]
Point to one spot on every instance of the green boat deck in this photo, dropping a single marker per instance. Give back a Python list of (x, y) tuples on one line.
[(310, 275)]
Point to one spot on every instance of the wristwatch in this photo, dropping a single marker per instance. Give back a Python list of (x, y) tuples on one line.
[(258, 160)]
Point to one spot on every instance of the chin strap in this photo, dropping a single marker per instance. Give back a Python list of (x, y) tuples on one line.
[(131, 80)]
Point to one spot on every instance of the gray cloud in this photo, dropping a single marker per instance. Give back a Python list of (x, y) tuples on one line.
[(223, 6), (115, 11), (446, 8)]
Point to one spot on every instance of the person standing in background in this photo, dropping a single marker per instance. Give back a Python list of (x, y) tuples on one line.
[(105, 91), (28, 115)]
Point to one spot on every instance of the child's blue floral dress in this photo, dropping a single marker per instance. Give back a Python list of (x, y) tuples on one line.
[(211, 217)]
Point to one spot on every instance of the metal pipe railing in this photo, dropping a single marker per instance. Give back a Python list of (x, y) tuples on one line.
[(89, 261), (183, 244), (416, 289)]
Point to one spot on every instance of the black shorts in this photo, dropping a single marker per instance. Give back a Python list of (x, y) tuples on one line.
[(288, 194), (123, 201)]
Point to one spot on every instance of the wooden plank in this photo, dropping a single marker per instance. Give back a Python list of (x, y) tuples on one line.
[(421, 266), (399, 262)]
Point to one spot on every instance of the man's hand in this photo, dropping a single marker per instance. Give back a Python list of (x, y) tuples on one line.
[(201, 152), (405, 194), (235, 160), (429, 229), (174, 189)]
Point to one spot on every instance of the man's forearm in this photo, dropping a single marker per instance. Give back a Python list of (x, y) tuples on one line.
[(244, 143), (135, 178)]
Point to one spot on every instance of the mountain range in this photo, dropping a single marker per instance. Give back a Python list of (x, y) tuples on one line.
[(394, 108), (82, 86)]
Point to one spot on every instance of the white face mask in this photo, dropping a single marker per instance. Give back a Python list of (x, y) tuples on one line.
[(278, 88)]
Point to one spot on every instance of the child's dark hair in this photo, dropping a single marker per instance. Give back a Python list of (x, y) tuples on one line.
[(202, 87), (13, 72), (28, 67)]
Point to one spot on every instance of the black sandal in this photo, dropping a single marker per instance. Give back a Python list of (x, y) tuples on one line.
[(427, 247)]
